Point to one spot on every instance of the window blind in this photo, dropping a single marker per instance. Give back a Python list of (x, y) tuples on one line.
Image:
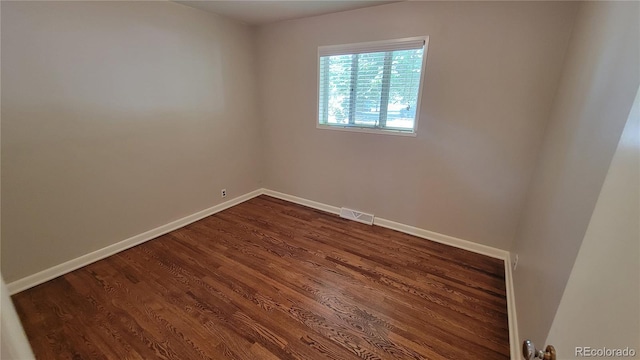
[(371, 85)]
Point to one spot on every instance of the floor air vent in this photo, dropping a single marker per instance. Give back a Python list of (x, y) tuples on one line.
[(356, 216)]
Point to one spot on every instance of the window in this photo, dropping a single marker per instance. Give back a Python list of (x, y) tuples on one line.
[(371, 87)]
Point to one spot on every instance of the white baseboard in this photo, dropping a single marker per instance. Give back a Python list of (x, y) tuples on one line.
[(443, 239), (303, 201), (84, 260), (61, 269)]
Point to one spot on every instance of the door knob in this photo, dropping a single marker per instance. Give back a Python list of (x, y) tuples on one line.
[(530, 352)]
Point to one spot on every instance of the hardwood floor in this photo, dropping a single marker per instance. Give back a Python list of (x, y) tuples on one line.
[(268, 279)]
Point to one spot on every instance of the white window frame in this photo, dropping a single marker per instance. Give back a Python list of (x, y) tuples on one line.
[(372, 46)]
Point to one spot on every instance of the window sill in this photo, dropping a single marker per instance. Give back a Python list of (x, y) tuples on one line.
[(367, 130)]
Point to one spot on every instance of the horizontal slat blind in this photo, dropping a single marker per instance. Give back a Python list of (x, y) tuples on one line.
[(371, 89)]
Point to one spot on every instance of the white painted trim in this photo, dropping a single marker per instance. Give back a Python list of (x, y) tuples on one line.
[(367, 130), (443, 239), (84, 260), (408, 43), (61, 269), (514, 337), (302, 201), (13, 340)]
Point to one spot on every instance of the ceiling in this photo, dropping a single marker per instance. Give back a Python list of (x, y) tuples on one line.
[(268, 11)]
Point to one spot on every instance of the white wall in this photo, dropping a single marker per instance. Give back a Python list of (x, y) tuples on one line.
[(118, 117), (492, 71), (600, 306), (598, 85), (13, 340)]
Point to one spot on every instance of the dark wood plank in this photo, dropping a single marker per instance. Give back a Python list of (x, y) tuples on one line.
[(268, 279)]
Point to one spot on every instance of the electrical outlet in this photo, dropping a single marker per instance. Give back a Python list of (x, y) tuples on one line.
[(514, 264), (223, 193)]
